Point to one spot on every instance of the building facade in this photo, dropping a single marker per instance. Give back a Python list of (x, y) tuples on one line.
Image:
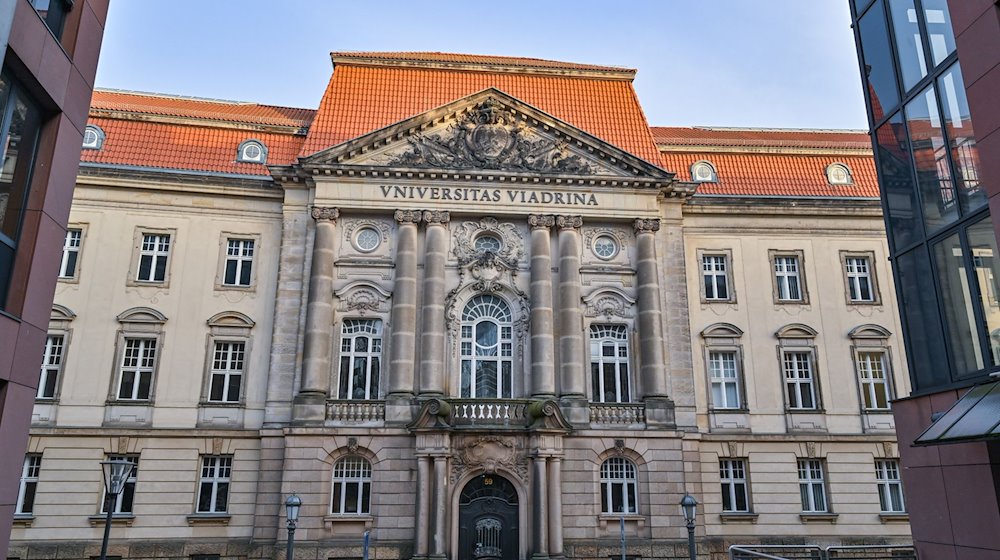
[(48, 52), (930, 70), (457, 310)]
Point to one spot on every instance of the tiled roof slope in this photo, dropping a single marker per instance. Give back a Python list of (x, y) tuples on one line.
[(361, 98), (762, 162), (169, 135)]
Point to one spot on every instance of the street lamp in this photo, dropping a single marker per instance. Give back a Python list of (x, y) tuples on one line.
[(116, 474), (688, 507), (292, 505)]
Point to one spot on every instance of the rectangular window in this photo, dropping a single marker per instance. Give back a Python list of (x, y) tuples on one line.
[(213, 488), (859, 279), (716, 278), (786, 276), (609, 364), (227, 372), (890, 487), (239, 262), (873, 379), (360, 358), (812, 486), (799, 384), (70, 253), (735, 490), (29, 484), (54, 13), (51, 366), (138, 362), (153, 256), (124, 501), (723, 372)]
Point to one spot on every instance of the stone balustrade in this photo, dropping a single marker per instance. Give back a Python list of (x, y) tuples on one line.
[(617, 414), (468, 412), (355, 412)]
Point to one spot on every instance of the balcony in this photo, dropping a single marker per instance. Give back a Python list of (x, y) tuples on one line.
[(482, 412), (354, 412), (617, 414)]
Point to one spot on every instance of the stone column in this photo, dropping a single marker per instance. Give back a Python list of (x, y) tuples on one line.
[(404, 319), (440, 507), (432, 331), (555, 507), (423, 505), (543, 380), (572, 377), (659, 409), (540, 495), (310, 403)]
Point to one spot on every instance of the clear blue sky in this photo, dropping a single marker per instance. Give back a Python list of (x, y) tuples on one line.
[(767, 63)]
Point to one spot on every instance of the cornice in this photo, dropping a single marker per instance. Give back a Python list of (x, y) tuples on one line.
[(776, 150), (198, 121), (167, 180), (623, 74)]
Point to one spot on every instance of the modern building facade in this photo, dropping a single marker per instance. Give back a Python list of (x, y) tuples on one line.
[(48, 51), (475, 306), (931, 71)]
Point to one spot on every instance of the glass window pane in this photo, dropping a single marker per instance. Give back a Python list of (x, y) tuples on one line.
[(897, 181), (956, 302), (881, 74), (931, 156), (920, 315), (983, 244), (939, 29), (961, 139), (908, 42)]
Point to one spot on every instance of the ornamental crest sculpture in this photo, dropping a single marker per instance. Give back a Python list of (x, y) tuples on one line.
[(489, 453)]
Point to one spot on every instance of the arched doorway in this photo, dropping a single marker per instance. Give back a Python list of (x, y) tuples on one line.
[(487, 519)]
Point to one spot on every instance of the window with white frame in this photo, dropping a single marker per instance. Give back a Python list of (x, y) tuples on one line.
[(724, 376), (812, 486), (153, 254), (213, 486), (51, 366), (890, 487), (239, 262), (487, 348), (735, 490), (859, 279), (873, 380), (125, 500), (352, 486), (800, 385), (360, 358), (70, 253), (228, 361), (29, 484), (609, 365), (787, 278), (618, 486), (135, 378), (715, 276)]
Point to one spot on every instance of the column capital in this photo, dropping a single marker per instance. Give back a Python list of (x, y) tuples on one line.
[(569, 222), (436, 217), (645, 225), (408, 216), (539, 221), (323, 214)]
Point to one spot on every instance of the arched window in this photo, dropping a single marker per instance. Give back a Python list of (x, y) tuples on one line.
[(609, 366), (838, 174), (703, 172), (487, 348), (618, 486), (352, 486), (93, 137), (360, 358), (252, 151)]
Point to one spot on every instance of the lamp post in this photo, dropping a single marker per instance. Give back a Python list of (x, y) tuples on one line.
[(116, 474), (292, 505), (688, 507)]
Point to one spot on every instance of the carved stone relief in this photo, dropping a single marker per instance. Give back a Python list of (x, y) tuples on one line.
[(489, 453), (623, 240), (363, 297), (511, 244), (351, 227), (609, 303)]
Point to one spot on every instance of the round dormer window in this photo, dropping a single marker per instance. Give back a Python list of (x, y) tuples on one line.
[(252, 151)]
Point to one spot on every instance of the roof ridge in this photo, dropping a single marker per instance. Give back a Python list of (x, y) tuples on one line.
[(767, 129), (195, 98), (480, 62)]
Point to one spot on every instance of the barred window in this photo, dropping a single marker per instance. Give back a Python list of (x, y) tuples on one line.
[(125, 500), (723, 371), (213, 488), (735, 490), (609, 363), (360, 358), (618, 486), (227, 372), (136, 376), (29, 484), (890, 487), (239, 262), (799, 384), (812, 486), (153, 254), (873, 379), (51, 366), (487, 348), (352, 487)]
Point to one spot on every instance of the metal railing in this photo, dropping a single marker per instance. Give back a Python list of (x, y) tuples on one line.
[(813, 552)]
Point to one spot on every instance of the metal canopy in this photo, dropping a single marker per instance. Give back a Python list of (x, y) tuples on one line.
[(975, 417)]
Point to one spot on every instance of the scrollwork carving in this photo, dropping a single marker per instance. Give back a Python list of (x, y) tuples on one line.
[(321, 214), (569, 222), (643, 225), (489, 453), (511, 245), (536, 221), (408, 216), (436, 217)]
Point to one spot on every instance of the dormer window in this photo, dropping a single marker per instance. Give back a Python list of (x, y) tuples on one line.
[(838, 174), (252, 151), (703, 172), (93, 137)]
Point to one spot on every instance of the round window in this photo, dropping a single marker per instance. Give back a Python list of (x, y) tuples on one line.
[(605, 247), (90, 137), (251, 152), (367, 239), (488, 243), (703, 172)]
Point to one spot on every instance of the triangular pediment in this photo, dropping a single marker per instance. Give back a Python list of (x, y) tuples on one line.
[(488, 132)]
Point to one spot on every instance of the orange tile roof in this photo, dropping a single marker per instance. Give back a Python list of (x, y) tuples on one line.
[(778, 138), (363, 98), (468, 59), (175, 106)]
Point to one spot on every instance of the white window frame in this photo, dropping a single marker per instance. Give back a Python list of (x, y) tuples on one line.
[(99, 138), (619, 476), (241, 152), (30, 471), (351, 331), (713, 173), (848, 175), (720, 399), (854, 278), (793, 378), (890, 486), (216, 475), (783, 275), (127, 490), (869, 385), (812, 477), (52, 366), (72, 247), (144, 364), (733, 481), (501, 353), (710, 291), (229, 359), (241, 260), (156, 248), (139, 251), (351, 471), (614, 337)]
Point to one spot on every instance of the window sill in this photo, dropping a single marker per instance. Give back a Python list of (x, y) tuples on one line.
[(235, 288), (861, 302), (901, 517), (208, 519), (23, 519), (819, 517), (221, 404), (805, 411), (126, 519), (368, 520), (614, 519), (738, 517)]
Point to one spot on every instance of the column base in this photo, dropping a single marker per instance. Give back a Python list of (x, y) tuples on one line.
[(540, 556), (309, 409), (660, 413), (400, 410), (576, 409)]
